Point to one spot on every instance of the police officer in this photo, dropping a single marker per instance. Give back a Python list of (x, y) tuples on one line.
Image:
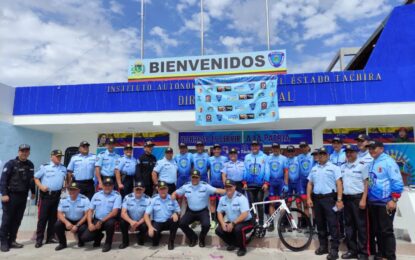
[(355, 184), (184, 161), (105, 205), (385, 188), (276, 176), (166, 170), (50, 180), (105, 165), (132, 215), (197, 194), (145, 166), (234, 169), (164, 214), (125, 171), (238, 223), (16, 180), (363, 155), (216, 163), (201, 161), (325, 195), (72, 216), (81, 170), (338, 156), (254, 179)]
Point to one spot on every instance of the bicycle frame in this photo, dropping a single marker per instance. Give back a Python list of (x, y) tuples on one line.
[(282, 207)]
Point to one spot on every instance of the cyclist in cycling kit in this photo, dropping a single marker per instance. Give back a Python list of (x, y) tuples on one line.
[(184, 162), (306, 162), (292, 166), (201, 161)]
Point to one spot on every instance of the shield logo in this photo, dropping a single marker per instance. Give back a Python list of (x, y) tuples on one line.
[(251, 86), (219, 117), (252, 106), (218, 98), (276, 58)]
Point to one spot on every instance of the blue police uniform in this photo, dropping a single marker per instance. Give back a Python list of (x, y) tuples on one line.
[(292, 165), (364, 157), (184, 166), (74, 211), (126, 165), (233, 208), (306, 162), (82, 168), (323, 178), (107, 161), (167, 172), (338, 158), (197, 200), (353, 177), (216, 166), (201, 163), (385, 184), (52, 176), (274, 172), (161, 211)]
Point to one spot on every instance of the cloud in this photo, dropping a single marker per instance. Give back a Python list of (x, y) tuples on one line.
[(116, 7), (336, 39), (235, 44), (161, 42), (166, 39), (311, 63)]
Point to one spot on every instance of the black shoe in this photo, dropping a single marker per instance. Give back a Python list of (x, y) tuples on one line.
[(193, 242), (241, 252), (38, 244), (51, 241), (97, 241), (141, 242), (333, 255), (230, 248), (171, 245), (81, 244), (60, 247), (349, 255), (123, 245), (5, 247), (202, 242), (321, 251), (106, 248), (362, 257), (14, 244)]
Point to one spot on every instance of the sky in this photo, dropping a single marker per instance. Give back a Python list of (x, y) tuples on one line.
[(56, 42)]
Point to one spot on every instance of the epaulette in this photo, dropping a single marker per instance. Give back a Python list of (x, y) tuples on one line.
[(238, 194), (362, 162), (146, 196), (102, 152), (116, 192), (155, 195), (83, 196), (130, 195), (188, 183), (64, 197), (203, 182), (44, 164)]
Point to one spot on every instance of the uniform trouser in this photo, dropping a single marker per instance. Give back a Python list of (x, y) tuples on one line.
[(171, 187), (162, 226), (237, 237), (47, 215), (189, 217), (381, 226), (239, 186), (355, 225), (128, 182), (13, 212), (325, 216), (60, 229), (141, 236), (256, 194), (107, 226), (149, 190), (86, 188)]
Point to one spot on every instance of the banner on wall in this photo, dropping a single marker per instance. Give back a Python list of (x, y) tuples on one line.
[(392, 134), (279, 136), (236, 100), (121, 139), (158, 138), (348, 135), (404, 155)]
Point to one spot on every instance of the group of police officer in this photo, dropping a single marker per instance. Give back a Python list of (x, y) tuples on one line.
[(342, 189)]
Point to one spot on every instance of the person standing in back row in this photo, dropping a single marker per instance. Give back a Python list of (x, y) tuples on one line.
[(145, 167)]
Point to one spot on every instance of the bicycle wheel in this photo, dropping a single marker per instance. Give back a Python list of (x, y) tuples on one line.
[(295, 239)]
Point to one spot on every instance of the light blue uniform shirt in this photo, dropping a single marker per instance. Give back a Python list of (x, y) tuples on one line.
[(338, 158), (353, 177), (255, 169), (201, 163), (136, 207), (52, 176), (82, 166), (74, 210), (216, 165), (161, 210), (126, 165), (234, 170), (324, 178), (234, 207), (293, 167), (306, 162), (106, 161), (364, 157), (274, 169), (103, 203), (197, 195), (166, 170)]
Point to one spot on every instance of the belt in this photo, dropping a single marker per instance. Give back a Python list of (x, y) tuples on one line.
[(85, 181), (354, 196), (196, 211), (50, 193), (322, 196)]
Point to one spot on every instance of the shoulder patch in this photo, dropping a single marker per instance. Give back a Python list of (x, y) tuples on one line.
[(82, 196), (146, 196), (116, 192), (361, 162), (238, 194), (154, 196), (130, 195), (102, 152), (203, 182)]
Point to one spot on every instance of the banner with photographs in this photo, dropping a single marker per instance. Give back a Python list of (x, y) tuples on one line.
[(236, 100), (404, 155), (348, 135), (392, 134)]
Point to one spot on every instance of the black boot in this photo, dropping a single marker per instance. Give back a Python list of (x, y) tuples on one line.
[(5, 247), (321, 251), (333, 255), (14, 244), (106, 248), (241, 251), (60, 247), (202, 242), (171, 245)]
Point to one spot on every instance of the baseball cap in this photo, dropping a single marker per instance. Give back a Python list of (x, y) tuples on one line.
[(254, 142), (24, 147), (350, 147), (362, 137), (56, 153), (162, 185), (73, 186), (290, 148), (303, 144), (374, 144), (233, 150), (275, 145), (84, 143), (195, 173), (183, 145), (139, 185), (108, 181), (323, 150), (337, 140), (148, 144), (217, 146), (199, 143), (169, 150), (128, 146), (229, 183)]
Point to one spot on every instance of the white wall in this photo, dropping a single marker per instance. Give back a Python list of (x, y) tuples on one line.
[(6, 103), (64, 140)]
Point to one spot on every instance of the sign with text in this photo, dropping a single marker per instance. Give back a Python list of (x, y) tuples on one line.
[(236, 100), (209, 65), (279, 136), (211, 138)]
